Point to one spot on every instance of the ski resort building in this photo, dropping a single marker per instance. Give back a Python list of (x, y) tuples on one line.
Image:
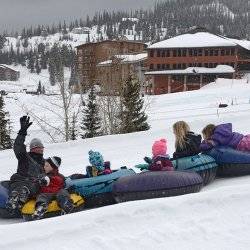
[(89, 55), (8, 74), (114, 72), (191, 60)]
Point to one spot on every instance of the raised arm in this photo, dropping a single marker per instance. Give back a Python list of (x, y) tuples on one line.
[(19, 146)]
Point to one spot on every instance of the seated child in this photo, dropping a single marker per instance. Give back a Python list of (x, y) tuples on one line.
[(52, 188), (160, 160), (222, 135), (187, 143), (98, 166)]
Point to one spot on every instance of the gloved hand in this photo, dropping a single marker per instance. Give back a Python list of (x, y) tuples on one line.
[(43, 180), (25, 123), (147, 159)]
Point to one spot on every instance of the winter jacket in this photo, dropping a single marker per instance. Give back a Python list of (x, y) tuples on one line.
[(30, 164), (191, 146), (161, 163), (224, 136), (57, 182)]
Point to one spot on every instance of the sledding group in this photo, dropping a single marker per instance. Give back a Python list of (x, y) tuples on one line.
[(39, 178)]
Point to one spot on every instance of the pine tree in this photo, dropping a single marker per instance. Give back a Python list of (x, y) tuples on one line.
[(91, 123), (39, 88), (133, 118), (37, 66), (73, 130), (5, 140)]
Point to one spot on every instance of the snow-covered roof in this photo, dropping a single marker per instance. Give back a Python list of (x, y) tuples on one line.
[(243, 43), (7, 66), (196, 40), (220, 69), (129, 58), (133, 19)]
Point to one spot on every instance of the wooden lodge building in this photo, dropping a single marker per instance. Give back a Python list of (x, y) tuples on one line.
[(8, 74), (114, 72), (89, 55), (188, 61)]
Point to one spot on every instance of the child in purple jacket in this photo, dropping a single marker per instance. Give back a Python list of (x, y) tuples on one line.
[(160, 160), (222, 135)]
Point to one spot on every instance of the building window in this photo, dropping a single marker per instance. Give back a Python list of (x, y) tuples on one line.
[(210, 65), (158, 53), (174, 53), (199, 65), (232, 52), (206, 52), (167, 53), (158, 66), (200, 52), (174, 66), (179, 66), (163, 53), (184, 65), (222, 52), (167, 66), (206, 65), (216, 52), (163, 66), (179, 52), (211, 52), (151, 66), (227, 52), (195, 52), (184, 53), (151, 53), (190, 52)]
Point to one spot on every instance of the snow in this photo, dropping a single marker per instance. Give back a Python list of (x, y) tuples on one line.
[(216, 218), (130, 58), (219, 69), (197, 40)]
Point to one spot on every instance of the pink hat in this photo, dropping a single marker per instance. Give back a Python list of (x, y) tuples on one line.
[(159, 147)]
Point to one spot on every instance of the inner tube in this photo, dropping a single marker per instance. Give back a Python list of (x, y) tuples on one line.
[(231, 162), (53, 208), (97, 191), (149, 185), (202, 164)]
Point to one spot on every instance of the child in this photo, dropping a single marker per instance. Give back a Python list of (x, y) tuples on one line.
[(98, 166), (222, 135), (52, 188), (160, 160), (187, 143)]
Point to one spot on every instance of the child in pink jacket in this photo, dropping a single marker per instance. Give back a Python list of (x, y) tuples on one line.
[(160, 160)]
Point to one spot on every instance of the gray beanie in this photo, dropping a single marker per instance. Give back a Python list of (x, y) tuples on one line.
[(36, 143)]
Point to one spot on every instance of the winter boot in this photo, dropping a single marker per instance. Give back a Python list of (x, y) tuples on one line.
[(12, 202), (39, 211), (23, 195), (67, 207)]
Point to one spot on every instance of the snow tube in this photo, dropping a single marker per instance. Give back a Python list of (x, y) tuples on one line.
[(202, 164), (4, 194), (231, 162), (97, 191), (53, 209), (148, 185)]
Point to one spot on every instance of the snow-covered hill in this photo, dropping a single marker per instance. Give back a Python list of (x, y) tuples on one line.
[(216, 218)]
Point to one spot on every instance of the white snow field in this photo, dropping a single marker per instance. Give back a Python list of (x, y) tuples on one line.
[(218, 217)]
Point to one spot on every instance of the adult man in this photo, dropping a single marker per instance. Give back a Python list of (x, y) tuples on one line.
[(26, 182)]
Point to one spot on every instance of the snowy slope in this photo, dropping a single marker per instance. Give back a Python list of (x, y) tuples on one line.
[(216, 218)]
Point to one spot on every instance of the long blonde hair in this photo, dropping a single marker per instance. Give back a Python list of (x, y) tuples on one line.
[(180, 129)]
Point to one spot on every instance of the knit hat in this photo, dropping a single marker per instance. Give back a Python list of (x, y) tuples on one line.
[(96, 159), (54, 161), (159, 147), (36, 143)]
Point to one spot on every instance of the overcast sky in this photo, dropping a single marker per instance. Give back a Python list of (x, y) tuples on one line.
[(15, 14)]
